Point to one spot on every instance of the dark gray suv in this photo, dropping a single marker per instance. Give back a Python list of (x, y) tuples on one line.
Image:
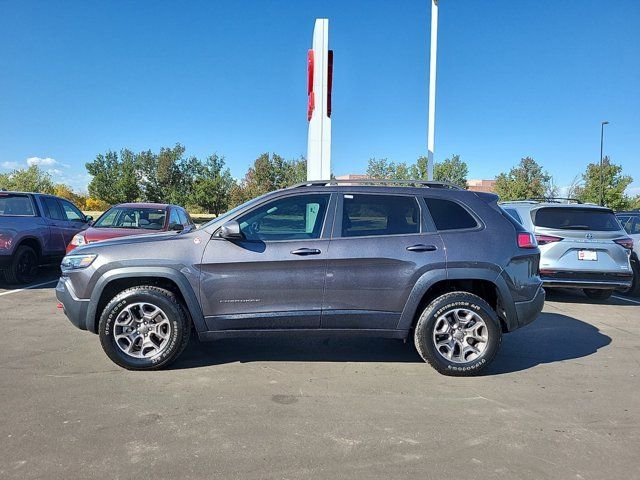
[(424, 259)]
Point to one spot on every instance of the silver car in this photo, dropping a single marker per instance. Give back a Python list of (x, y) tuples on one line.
[(631, 223), (582, 246)]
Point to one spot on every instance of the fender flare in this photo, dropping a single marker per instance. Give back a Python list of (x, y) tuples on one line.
[(191, 300), (430, 278)]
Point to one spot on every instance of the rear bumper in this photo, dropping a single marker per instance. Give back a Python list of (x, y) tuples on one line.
[(74, 308), (598, 280), (528, 311)]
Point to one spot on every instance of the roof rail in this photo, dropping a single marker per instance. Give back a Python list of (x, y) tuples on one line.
[(556, 200), (375, 181)]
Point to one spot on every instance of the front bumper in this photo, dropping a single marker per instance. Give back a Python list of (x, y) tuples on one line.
[(528, 311), (597, 280), (74, 308)]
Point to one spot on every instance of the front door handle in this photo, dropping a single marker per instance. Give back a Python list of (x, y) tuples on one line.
[(306, 251), (422, 248)]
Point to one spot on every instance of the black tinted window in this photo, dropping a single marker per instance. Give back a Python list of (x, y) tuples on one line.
[(11, 204), (292, 218), (53, 210), (513, 213), (575, 219), (448, 215), (365, 215)]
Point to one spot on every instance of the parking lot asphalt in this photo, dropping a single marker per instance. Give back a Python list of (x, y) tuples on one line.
[(561, 401)]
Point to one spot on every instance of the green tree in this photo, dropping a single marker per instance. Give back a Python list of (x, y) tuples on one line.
[(115, 177), (614, 184), (268, 173), (211, 185), (451, 170), (32, 179), (382, 168), (526, 180), (162, 175)]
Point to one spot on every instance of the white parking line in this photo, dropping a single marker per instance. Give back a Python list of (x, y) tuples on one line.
[(27, 288), (626, 299)]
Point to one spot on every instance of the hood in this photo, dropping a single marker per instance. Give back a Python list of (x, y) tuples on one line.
[(93, 234), (123, 236)]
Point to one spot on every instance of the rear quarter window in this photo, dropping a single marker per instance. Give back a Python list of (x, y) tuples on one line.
[(16, 205), (575, 219), (449, 215)]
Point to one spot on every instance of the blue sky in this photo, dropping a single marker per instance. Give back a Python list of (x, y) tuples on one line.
[(515, 78)]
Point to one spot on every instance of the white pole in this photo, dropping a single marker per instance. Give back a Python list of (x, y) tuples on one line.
[(432, 88)]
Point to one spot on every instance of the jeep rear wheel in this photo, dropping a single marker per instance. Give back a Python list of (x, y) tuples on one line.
[(144, 328), (458, 334), (23, 267)]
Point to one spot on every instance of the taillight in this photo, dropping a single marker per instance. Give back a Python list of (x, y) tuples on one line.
[(625, 242), (526, 240), (545, 239)]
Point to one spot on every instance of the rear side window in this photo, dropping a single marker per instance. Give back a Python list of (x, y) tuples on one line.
[(20, 205), (52, 209), (513, 213), (448, 215), (183, 217), (575, 219), (366, 215)]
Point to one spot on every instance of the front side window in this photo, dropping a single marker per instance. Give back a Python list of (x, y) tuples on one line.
[(449, 215), (12, 204), (292, 218), (367, 215), (132, 217), (71, 212), (174, 218)]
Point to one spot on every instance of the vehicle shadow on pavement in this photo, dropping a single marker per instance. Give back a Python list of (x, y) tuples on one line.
[(47, 276), (573, 296), (295, 349), (551, 338)]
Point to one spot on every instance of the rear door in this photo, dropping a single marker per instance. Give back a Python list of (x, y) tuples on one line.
[(57, 224), (273, 278), (579, 239), (381, 245)]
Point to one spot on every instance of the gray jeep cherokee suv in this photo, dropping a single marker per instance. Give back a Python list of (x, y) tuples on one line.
[(441, 264)]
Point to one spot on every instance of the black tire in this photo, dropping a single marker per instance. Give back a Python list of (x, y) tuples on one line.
[(177, 340), (441, 306), (597, 293), (23, 267), (634, 291)]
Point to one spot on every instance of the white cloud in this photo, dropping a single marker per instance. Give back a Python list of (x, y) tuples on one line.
[(9, 165), (55, 171), (42, 162)]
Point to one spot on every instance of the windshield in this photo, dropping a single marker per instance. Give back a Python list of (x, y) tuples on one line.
[(132, 217), (12, 204), (575, 219)]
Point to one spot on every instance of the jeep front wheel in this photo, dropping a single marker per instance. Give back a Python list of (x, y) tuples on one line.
[(458, 334), (144, 328)]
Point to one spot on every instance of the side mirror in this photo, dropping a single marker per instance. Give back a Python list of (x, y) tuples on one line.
[(231, 231), (176, 227), (88, 219)]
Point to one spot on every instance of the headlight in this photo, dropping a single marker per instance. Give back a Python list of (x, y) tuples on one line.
[(74, 262), (78, 240)]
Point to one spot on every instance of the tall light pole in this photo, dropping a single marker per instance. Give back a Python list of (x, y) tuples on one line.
[(602, 124), (432, 89)]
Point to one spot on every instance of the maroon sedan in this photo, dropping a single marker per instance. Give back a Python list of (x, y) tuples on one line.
[(134, 219)]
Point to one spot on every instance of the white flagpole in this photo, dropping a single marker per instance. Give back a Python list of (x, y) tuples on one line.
[(432, 89)]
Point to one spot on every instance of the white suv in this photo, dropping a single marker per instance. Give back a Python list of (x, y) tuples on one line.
[(581, 245)]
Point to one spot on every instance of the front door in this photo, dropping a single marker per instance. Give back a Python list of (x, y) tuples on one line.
[(273, 278), (381, 246)]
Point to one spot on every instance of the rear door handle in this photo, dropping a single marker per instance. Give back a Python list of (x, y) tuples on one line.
[(306, 251), (422, 248)]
